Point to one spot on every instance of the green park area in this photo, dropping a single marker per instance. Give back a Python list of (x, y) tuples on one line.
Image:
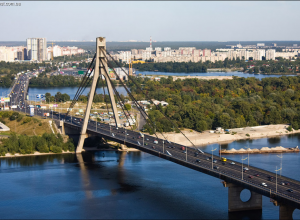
[(30, 134)]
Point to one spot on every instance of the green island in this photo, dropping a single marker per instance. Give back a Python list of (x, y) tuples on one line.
[(207, 104)]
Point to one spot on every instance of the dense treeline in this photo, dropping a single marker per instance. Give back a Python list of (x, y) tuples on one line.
[(280, 66), (24, 144), (54, 81), (61, 81), (207, 104), (174, 67), (8, 70)]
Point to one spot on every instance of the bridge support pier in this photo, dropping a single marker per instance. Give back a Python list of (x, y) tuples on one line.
[(285, 211), (123, 147), (82, 137), (235, 203), (61, 123)]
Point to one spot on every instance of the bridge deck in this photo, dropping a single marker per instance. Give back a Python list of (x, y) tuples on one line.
[(229, 172), (226, 171)]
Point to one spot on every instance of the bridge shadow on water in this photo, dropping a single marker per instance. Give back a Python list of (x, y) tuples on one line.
[(245, 215)]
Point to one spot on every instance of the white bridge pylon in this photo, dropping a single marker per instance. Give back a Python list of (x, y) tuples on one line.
[(101, 68)]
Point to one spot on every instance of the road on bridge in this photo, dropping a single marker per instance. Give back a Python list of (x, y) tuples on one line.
[(286, 190)]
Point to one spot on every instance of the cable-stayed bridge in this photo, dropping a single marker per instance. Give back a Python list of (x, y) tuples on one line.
[(233, 174)]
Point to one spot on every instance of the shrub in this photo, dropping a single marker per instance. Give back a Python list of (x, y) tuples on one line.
[(56, 149), (26, 120), (248, 135), (290, 128)]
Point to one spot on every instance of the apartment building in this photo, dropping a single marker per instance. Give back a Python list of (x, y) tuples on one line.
[(37, 49)]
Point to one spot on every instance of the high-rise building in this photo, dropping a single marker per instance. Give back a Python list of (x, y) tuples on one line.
[(37, 49), (206, 52), (270, 54), (20, 55)]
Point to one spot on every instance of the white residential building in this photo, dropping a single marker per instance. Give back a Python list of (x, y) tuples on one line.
[(270, 54)]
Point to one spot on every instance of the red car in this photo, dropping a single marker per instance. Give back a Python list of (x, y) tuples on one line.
[(250, 176), (256, 174)]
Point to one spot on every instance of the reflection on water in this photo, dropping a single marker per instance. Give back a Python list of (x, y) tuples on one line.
[(274, 140), (109, 184), (37, 160)]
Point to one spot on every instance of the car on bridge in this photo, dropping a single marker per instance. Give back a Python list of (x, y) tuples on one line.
[(264, 184), (155, 142), (290, 190), (216, 167)]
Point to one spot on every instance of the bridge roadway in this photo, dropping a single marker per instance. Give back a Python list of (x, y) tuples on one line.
[(231, 173)]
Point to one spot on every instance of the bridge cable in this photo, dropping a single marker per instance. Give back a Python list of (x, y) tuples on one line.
[(83, 81), (86, 83), (140, 108), (118, 96), (137, 104), (143, 113), (157, 106), (104, 96), (84, 78)]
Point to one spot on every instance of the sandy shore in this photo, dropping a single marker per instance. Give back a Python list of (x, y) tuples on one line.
[(205, 138), (198, 77), (34, 154)]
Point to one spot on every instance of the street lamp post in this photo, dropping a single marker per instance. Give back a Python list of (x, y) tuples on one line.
[(212, 157), (163, 146), (276, 177), (280, 163), (243, 167), (248, 155), (144, 139), (186, 152)]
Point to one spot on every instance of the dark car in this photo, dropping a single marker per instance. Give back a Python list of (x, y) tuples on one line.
[(198, 161), (250, 176), (290, 190)]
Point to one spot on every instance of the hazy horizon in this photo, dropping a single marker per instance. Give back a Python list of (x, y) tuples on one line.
[(122, 21)]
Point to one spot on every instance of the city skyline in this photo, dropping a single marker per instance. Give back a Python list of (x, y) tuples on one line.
[(164, 21)]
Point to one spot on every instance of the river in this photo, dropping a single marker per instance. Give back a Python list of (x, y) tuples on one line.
[(136, 185)]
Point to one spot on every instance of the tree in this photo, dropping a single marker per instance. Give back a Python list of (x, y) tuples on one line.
[(127, 107)]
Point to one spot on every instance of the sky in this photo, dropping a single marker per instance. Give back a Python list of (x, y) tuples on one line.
[(163, 20)]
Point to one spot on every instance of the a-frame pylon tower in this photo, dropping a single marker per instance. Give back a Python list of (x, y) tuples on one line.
[(101, 69)]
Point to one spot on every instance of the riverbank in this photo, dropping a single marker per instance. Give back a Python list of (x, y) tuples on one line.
[(34, 154), (205, 138)]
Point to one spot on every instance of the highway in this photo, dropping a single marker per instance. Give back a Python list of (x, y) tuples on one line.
[(230, 171)]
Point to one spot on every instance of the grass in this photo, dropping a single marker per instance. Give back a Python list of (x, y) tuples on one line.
[(32, 127)]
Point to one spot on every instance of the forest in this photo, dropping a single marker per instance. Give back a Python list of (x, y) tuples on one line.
[(24, 144), (61, 81), (207, 104)]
